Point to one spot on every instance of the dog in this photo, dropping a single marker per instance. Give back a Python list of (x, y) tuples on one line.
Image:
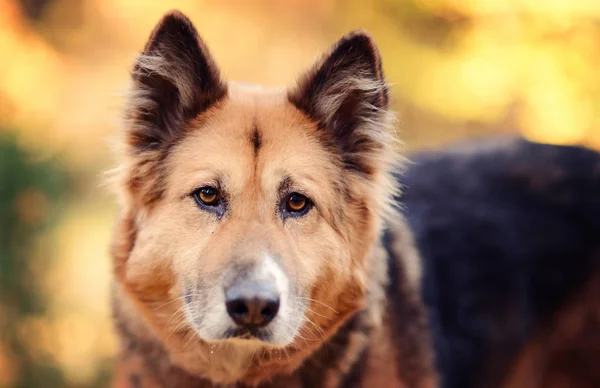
[(261, 241), (248, 249)]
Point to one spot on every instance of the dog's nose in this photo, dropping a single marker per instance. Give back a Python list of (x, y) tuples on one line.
[(252, 304)]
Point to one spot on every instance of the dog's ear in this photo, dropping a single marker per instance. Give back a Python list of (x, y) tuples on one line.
[(174, 79), (346, 93)]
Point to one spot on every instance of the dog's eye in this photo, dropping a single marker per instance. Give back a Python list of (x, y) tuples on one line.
[(207, 196), (297, 203)]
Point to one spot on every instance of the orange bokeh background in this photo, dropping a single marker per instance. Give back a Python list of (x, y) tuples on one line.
[(458, 69)]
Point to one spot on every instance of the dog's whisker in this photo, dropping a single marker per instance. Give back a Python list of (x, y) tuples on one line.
[(172, 301), (316, 313), (319, 330), (193, 336), (180, 313), (318, 302)]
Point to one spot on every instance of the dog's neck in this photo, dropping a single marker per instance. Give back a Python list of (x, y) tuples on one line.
[(335, 362)]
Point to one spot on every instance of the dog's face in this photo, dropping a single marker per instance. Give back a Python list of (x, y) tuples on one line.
[(250, 213)]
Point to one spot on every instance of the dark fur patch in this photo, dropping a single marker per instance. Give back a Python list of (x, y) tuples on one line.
[(256, 140), (135, 381)]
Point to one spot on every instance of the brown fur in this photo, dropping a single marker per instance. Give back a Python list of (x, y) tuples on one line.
[(566, 351), (328, 138)]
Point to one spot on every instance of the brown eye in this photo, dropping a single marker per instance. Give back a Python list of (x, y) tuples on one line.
[(207, 195), (297, 203)]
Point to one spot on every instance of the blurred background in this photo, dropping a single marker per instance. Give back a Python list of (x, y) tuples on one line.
[(458, 68)]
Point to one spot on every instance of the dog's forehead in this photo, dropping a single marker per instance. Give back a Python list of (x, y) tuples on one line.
[(252, 108), (253, 119), (254, 129)]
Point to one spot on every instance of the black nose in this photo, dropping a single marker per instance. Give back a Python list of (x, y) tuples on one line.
[(252, 304)]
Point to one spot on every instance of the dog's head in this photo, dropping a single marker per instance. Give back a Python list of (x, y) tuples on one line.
[(249, 213)]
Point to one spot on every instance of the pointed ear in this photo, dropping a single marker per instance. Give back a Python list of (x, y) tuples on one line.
[(174, 80), (345, 92)]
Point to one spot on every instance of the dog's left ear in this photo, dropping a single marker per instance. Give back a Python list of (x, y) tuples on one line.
[(346, 94)]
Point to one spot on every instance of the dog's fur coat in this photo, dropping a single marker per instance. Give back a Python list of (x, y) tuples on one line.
[(346, 268), (509, 235)]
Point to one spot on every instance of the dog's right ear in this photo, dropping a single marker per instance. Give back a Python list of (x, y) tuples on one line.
[(174, 80)]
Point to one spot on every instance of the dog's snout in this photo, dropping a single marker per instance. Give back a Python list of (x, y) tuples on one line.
[(252, 304)]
